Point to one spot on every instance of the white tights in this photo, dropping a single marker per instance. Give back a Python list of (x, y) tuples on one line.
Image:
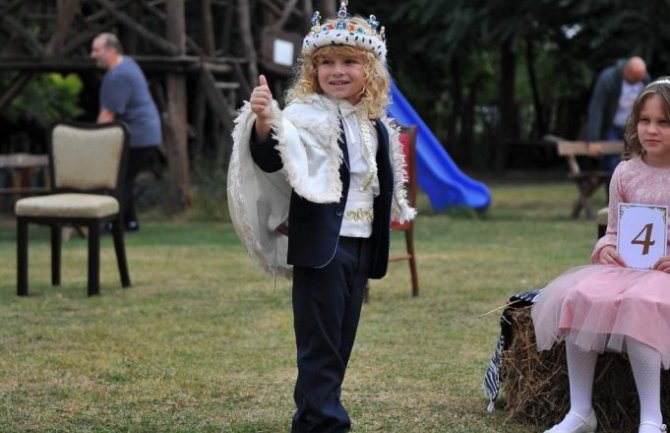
[(645, 363)]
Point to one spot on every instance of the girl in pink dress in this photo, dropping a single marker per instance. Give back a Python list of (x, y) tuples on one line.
[(606, 305)]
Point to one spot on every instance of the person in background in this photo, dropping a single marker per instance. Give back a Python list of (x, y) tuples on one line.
[(611, 102), (311, 191), (125, 96)]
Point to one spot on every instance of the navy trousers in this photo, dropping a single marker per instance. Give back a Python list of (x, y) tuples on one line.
[(326, 308)]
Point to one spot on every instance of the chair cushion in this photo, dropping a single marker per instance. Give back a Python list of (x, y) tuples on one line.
[(70, 205)]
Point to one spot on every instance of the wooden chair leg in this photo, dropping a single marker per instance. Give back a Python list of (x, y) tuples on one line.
[(21, 257), (120, 248), (587, 187), (409, 240), (94, 258), (56, 240)]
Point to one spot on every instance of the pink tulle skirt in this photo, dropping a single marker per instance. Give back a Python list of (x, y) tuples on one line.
[(596, 306)]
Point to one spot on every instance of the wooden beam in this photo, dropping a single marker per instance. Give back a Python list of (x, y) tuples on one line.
[(244, 83), (177, 141), (159, 42), (207, 26), (288, 10), (271, 7), (326, 7), (14, 27), (190, 43), (188, 64), (307, 11), (83, 39), (66, 12), (10, 8), (226, 25), (244, 19), (102, 13), (216, 100), (14, 89)]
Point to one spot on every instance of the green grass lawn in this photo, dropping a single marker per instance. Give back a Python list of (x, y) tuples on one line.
[(203, 342)]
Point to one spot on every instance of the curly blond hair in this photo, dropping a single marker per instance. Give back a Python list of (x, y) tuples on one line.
[(375, 96), (661, 88)]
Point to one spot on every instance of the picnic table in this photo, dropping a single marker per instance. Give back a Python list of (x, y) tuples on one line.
[(587, 180)]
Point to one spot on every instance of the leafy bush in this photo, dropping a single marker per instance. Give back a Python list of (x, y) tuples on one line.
[(46, 99)]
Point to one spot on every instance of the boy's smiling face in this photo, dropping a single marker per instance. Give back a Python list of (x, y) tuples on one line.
[(341, 74)]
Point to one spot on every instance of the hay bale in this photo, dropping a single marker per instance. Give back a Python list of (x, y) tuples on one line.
[(535, 384)]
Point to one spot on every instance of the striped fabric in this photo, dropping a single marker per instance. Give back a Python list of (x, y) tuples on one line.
[(491, 384)]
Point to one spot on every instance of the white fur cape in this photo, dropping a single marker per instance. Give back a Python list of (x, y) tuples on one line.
[(307, 136)]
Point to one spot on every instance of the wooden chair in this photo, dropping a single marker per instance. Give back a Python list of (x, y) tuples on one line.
[(408, 141), (87, 168)]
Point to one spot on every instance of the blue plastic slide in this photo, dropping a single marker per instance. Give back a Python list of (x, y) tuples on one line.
[(439, 177)]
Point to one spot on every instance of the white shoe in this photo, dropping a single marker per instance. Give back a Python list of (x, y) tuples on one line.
[(660, 428), (588, 425)]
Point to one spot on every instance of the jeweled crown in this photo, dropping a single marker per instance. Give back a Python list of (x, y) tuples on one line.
[(346, 30)]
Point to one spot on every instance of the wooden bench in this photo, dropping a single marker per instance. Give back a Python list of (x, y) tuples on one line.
[(587, 181)]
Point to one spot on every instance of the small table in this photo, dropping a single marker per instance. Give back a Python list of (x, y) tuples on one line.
[(21, 167)]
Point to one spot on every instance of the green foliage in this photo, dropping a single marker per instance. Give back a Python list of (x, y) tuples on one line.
[(446, 53), (46, 99)]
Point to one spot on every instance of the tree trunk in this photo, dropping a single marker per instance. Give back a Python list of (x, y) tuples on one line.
[(455, 115), (469, 152), (176, 139), (540, 128), (508, 127)]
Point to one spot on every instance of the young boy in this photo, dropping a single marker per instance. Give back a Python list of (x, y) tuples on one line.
[(311, 191)]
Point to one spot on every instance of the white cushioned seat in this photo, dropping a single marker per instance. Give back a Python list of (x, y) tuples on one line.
[(70, 205)]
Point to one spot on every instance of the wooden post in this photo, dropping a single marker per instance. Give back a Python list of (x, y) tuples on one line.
[(327, 8), (244, 15), (176, 139), (66, 12), (207, 27)]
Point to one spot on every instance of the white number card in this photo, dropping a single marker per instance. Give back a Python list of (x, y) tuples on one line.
[(642, 234)]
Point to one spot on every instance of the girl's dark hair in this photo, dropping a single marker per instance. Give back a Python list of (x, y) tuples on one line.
[(660, 87)]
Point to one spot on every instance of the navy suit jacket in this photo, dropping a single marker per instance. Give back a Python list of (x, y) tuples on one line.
[(314, 228)]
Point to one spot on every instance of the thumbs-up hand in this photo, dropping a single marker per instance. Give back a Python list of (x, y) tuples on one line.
[(261, 104), (261, 99)]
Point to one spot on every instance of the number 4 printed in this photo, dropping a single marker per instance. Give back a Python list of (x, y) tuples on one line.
[(647, 242)]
